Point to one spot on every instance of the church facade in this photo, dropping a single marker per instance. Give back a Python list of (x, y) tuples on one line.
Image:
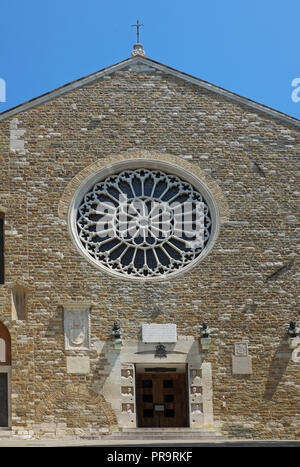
[(149, 229)]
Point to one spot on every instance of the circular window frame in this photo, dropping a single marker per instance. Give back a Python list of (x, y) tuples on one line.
[(151, 164)]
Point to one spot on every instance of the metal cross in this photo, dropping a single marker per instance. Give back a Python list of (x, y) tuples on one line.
[(137, 26)]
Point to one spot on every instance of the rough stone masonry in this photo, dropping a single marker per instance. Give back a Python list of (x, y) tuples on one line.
[(247, 156)]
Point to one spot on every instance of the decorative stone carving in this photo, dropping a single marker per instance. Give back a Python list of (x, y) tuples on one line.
[(128, 409), (196, 414), (196, 409), (127, 393), (160, 351), (127, 376), (241, 349), (159, 223), (196, 394), (77, 326), (195, 377), (138, 50), (241, 361), (200, 389)]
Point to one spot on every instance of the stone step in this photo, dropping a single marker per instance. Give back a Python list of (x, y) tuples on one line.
[(171, 429), (5, 433), (163, 437), (165, 434)]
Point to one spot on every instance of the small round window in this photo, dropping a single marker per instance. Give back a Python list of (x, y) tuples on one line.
[(143, 222)]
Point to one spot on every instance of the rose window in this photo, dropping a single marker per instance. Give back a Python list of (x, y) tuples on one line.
[(143, 223)]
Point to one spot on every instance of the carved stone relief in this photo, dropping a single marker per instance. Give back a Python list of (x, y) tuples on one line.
[(128, 407), (77, 327), (241, 361), (200, 395), (241, 349)]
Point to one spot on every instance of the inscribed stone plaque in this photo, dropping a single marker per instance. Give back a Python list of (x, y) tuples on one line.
[(159, 333), (78, 365), (241, 365)]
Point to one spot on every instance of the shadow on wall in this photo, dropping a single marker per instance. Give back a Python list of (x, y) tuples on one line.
[(103, 366), (277, 368)]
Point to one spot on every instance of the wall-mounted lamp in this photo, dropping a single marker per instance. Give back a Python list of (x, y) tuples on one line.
[(205, 338), (117, 333), (293, 333)]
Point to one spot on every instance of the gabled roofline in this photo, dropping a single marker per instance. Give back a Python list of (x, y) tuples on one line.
[(159, 66)]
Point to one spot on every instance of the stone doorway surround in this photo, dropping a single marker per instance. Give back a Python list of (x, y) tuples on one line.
[(119, 386)]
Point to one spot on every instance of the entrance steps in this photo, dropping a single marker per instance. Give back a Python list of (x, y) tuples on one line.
[(5, 433), (179, 434)]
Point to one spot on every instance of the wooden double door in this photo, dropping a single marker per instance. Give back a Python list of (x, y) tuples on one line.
[(161, 399)]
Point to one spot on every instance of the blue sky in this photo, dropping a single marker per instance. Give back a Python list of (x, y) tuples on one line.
[(248, 47)]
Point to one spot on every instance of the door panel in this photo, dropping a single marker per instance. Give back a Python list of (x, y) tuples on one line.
[(3, 400), (161, 399)]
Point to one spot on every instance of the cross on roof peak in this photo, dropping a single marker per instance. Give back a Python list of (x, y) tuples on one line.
[(138, 48), (138, 25)]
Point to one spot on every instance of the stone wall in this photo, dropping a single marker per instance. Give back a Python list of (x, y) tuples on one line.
[(246, 288)]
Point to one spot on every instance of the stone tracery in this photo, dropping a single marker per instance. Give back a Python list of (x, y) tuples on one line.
[(143, 222)]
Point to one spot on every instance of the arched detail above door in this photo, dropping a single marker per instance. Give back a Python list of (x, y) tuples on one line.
[(5, 345)]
